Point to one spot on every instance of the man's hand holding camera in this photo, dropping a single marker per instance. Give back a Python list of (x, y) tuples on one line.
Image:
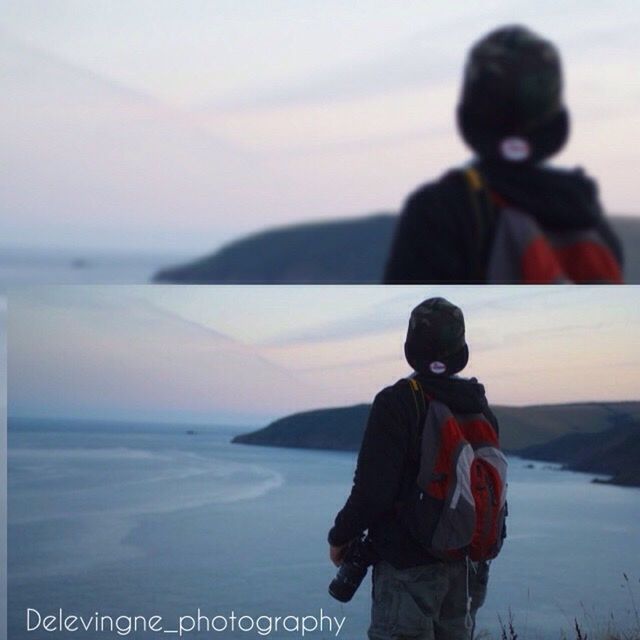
[(336, 554)]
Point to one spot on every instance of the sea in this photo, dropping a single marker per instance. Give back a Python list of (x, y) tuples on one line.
[(137, 520), (25, 266)]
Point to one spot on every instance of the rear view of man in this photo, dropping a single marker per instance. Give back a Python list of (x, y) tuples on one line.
[(430, 445), (508, 217)]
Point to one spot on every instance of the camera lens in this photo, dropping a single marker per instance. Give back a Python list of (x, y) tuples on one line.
[(346, 583)]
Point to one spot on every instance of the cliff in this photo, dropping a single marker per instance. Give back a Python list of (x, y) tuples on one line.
[(521, 428), (614, 452)]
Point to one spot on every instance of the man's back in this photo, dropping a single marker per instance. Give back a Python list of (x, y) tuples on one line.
[(388, 464), (440, 239)]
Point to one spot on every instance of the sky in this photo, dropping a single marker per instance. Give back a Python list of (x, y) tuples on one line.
[(246, 355), (166, 124)]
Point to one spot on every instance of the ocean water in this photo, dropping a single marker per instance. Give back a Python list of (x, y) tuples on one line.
[(142, 519), (49, 266)]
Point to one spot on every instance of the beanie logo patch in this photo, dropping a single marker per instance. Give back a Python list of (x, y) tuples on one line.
[(515, 149), (437, 367)]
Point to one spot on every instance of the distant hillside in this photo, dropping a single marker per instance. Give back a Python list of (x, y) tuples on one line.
[(526, 426), (338, 429), (614, 451), (520, 427), (339, 251)]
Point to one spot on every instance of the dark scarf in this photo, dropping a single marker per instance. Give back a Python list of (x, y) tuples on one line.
[(559, 199), (463, 395)]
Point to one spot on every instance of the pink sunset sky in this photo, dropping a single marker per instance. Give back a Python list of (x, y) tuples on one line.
[(249, 354), (153, 124)]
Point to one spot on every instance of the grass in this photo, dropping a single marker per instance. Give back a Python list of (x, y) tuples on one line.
[(588, 627)]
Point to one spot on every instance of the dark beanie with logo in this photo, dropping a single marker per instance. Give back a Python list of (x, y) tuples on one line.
[(435, 343), (511, 106)]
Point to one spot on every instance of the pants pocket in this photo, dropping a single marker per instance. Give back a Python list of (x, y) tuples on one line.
[(405, 602), (382, 602), (478, 581)]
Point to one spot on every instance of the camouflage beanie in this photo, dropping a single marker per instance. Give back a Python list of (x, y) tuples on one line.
[(435, 343), (511, 104)]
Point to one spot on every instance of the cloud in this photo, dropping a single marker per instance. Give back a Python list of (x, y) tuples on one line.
[(102, 351), (411, 66), (434, 55), (386, 359), (119, 353), (89, 157), (391, 314)]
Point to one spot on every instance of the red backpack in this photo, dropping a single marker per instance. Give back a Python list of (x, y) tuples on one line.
[(458, 505), (521, 252)]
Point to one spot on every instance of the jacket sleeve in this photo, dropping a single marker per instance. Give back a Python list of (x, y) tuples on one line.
[(427, 246), (379, 472)]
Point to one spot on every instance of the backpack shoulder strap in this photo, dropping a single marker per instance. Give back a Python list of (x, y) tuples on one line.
[(418, 398), (485, 215), (420, 404)]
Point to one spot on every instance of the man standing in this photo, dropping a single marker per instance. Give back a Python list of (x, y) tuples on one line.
[(416, 594), (511, 114)]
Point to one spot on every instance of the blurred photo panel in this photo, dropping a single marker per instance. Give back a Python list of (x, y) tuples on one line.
[(319, 142)]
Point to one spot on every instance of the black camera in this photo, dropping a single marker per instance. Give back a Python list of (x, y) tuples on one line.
[(359, 556)]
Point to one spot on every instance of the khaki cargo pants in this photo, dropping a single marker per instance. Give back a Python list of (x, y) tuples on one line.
[(427, 602)]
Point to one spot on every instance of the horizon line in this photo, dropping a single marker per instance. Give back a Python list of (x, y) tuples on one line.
[(139, 420)]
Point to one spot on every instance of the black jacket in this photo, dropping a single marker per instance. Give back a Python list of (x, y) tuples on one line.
[(436, 235), (388, 465)]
